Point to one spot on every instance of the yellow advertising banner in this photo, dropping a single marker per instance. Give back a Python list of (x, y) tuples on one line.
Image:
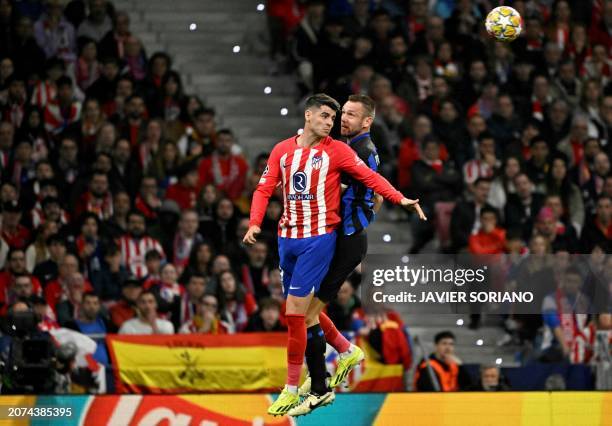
[(499, 409)]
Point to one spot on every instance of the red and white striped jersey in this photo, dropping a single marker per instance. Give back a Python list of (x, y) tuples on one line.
[(310, 179), (44, 92), (133, 251), (474, 169), (56, 121)]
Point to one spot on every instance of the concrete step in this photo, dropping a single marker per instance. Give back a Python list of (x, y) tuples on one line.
[(431, 320), (200, 14), (252, 86), (188, 44), (232, 83), (242, 6), (386, 248), (265, 106), (277, 130), (464, 335), (231, 65)]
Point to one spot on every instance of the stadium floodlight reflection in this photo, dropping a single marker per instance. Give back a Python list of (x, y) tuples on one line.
[(284, 111), (261, 7), (267, 90), (479, 342), (460, 322), (193, 26), (236, 49)]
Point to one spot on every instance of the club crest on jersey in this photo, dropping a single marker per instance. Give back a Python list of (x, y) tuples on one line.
[(317, 162), (299, 181)]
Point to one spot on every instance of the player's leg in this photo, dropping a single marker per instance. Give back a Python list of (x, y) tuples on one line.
[(308, 271), (288, 260), (315, 353), (351, 251)]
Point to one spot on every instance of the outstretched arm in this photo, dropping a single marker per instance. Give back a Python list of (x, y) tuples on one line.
[(269, 179), (353, 165)]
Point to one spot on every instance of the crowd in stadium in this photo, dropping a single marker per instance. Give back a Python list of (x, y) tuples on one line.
[(120, 195), (505, 144)]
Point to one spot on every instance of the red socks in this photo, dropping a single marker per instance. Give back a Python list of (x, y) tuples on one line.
[(332, 335), (296, 347)]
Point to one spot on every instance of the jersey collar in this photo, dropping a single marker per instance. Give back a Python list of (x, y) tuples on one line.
[(359, 137)]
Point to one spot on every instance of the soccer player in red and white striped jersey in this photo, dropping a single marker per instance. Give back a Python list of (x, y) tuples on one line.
[(308, 167)]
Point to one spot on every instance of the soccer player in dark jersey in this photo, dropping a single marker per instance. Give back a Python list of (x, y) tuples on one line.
[(357, 210), (308, 168)]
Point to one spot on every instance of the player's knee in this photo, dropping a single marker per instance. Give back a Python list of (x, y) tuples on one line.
[(312, 318), (296, 305)]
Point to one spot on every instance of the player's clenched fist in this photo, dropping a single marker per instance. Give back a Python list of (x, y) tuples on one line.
[(251, 235)]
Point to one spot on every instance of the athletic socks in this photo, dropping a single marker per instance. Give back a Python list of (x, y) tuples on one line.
[(296, 346), (315, 359), (332, 335)]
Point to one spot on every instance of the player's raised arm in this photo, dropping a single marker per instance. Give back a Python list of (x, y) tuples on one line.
[(268, 181), (350, 162)]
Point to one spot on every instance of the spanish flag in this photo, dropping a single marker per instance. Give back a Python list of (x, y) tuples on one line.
[(199, 363)]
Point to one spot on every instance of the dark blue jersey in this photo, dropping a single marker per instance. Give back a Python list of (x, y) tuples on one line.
[(358, 200)]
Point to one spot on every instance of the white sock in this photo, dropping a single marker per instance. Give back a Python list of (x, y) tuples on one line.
[(293, 389), (348, 351)]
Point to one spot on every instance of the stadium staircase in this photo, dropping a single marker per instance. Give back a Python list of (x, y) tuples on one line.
[(234, 83), (219, 48)]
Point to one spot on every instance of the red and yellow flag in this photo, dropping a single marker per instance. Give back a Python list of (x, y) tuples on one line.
[(199, 363)]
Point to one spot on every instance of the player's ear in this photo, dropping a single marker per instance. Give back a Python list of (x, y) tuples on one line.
[(307, 115), (367, 122)]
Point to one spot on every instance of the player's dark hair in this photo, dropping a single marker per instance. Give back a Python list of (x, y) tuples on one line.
[(321, 99), (368, 103), (443, 335)]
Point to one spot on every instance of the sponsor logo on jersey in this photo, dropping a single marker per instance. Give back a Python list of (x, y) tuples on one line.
[(299, 181), (300, 197)]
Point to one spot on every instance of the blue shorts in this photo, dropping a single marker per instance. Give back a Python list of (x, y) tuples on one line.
[(304, 262)]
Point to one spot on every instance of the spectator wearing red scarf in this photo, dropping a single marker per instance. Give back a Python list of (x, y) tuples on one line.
[(113, 43), (98, 199)]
